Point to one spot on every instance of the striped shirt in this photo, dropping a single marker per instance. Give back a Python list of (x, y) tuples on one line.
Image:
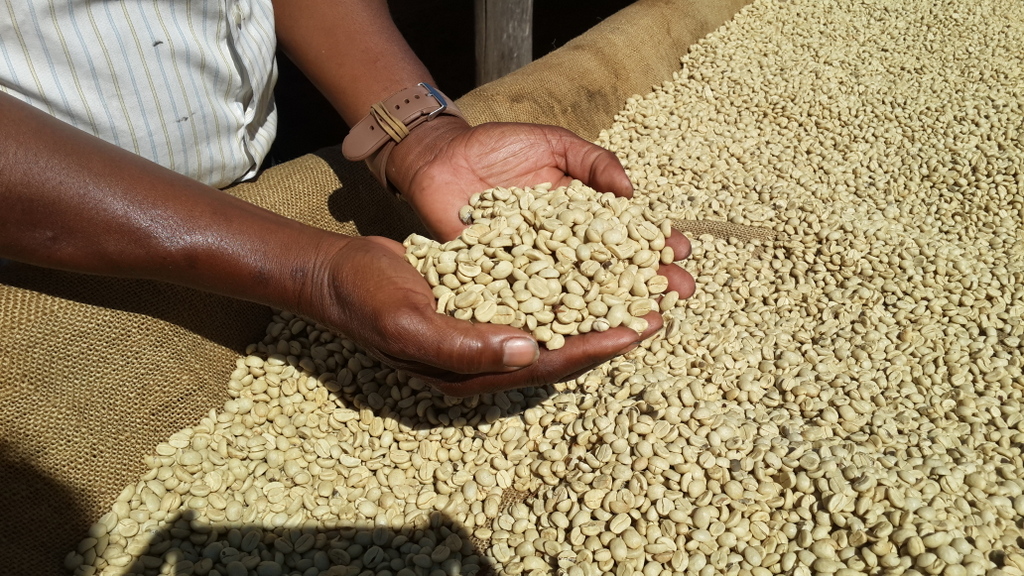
[(185, 83)]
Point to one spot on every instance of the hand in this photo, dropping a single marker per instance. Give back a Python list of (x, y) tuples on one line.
[(438, 167), (444, 162), (367, 291)]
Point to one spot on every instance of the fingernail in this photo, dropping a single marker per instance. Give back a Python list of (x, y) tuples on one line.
[(520, 352), (628, 348)]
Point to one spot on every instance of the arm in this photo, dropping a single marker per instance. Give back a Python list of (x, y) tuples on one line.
[(77, 203), (349, 49), (74, 202)]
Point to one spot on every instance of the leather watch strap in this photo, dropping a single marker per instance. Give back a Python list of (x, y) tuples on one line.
[(390, 121)]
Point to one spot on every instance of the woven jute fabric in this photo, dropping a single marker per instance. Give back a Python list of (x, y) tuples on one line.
[(95, 371), (720, 229)]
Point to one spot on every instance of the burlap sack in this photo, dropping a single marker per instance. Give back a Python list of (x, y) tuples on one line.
[(95, 371), (583, 84)]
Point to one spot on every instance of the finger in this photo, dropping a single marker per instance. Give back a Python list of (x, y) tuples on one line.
[(678, 279), (680, 245), (580, 354), (441, 344), (595, 166)]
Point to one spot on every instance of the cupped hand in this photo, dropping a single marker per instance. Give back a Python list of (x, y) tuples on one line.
[(368, 291), (439, 166)]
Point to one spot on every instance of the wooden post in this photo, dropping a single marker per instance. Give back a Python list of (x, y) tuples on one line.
[(504, 37)]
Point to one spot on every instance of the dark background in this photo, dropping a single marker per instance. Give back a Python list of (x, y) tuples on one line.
[(442, 34)]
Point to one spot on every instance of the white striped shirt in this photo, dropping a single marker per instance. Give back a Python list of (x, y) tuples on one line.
[(186, 83)]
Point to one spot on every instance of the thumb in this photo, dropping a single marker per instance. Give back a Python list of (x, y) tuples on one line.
[(465, 347), (607, 175), (595, 166)]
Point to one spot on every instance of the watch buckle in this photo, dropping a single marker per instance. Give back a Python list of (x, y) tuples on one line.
[(441, 101)]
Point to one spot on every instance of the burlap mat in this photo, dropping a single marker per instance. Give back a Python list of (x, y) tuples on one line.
[(95, 371)]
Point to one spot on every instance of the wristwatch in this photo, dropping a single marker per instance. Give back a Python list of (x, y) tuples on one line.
[(390, 121)]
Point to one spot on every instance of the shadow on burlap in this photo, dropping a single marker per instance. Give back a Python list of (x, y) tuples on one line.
[(95, 371)]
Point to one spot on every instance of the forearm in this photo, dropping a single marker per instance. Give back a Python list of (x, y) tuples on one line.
[(350, 49), (74, 202)]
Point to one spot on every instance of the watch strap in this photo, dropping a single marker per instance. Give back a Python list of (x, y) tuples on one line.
[(390, 121)]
